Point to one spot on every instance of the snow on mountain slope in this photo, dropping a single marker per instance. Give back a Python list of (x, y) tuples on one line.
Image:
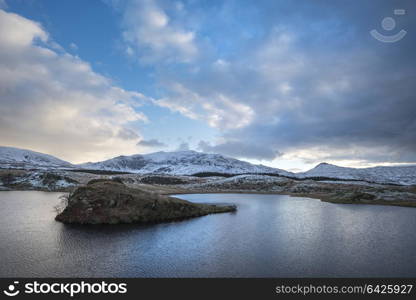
[(192, 162), (181, 163), (395, 175), (20, 158)]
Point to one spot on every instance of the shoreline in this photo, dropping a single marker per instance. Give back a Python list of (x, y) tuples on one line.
[(333, 192), (320, 197), (310, 196)]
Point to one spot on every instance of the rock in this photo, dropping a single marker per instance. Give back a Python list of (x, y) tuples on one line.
[(111, 202), (51, 179)]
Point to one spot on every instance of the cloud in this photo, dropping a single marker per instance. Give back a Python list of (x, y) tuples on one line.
[(152, 143), (54, 102), (184, 146), (313, 84), (240, 149), (218, 110), (73, 46), (153, 36)]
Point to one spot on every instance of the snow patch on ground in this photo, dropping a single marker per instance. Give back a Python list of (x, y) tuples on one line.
[(384, 175), (20, 158), (181, 163)]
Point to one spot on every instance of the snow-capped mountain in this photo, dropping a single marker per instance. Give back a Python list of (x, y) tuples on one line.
[(405, 175), (26, 159), (192, 162), (181, 163)]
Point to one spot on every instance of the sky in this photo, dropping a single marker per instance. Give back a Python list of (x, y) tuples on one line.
[(287, 84)]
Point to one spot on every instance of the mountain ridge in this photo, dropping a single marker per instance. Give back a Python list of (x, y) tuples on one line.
[(22, 158), (191, 162), (187, 162), (404, 175)]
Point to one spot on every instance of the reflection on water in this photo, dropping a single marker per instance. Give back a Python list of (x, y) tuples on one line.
[(269, 236)]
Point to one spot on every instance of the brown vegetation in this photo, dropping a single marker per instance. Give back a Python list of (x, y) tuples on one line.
[(110, 202)]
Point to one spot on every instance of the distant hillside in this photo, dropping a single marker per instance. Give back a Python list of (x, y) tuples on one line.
[(181, 163), (394, 175), (202, 164), (20, 158)]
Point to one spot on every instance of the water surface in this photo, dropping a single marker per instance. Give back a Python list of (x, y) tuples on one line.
[(269, 236)]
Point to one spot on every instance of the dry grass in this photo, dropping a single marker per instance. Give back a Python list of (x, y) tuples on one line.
[(110, 202)]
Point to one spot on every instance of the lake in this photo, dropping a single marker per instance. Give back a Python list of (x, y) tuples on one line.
[(269, 236)]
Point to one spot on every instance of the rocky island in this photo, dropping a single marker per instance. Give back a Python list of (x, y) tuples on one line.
[(110, 202)]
